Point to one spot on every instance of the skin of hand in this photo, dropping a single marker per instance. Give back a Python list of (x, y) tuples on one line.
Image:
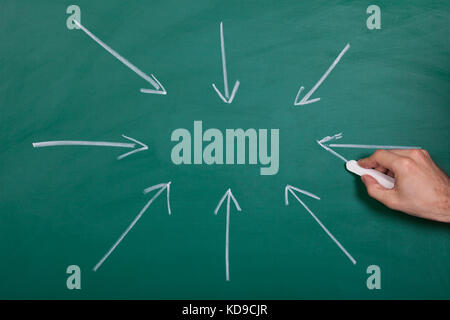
[(421, 188)]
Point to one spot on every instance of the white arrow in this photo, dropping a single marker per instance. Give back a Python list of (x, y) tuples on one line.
[(96, 144), (227, 195), (305, 99), (324, 143), (291, 189), (159, 89), (227, 98), (161, 187)]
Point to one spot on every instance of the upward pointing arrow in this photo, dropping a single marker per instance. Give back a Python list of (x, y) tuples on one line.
[(291, 189), (228, 195), (158, 88), (227, 98), (161, 187)]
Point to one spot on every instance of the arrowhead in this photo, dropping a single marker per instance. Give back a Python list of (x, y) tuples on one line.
[(142, 148), (291, 189), (228, 195), (323, 144), (337, 136), (304, 100), (159, 89), (225, 98), (161, 187)]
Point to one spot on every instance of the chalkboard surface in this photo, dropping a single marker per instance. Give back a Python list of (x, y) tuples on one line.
[(67, 205)]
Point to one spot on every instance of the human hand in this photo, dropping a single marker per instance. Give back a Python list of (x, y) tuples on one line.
[(421, 188)]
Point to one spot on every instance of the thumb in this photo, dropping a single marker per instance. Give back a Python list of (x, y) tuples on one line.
[(376, 191)]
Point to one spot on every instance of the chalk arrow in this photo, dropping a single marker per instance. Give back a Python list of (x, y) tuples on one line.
[(325, 144), (158, 88), (161, 187), (291, 189), (228, 195), (96, 144), (227, 98), (305, 99)]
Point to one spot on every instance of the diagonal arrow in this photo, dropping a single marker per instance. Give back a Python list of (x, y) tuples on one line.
[(291, 189), (161, 187), (227, 98), (325, 144), (305, 99), (158, 88), (229, 196), (96, 144)]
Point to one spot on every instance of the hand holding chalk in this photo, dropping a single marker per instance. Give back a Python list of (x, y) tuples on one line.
[(421, 188), (383, 179)]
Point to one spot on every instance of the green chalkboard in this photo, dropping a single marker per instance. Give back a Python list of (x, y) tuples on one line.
[(66, 205)]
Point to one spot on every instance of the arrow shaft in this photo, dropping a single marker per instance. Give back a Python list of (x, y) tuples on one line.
[(227, 242), (128, 229), (118, 56), (229, 196), (325, 229), (368, 146), (82, 143), (224, 62), (325, 75)]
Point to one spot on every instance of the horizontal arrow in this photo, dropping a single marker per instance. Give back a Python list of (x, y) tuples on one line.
[(161, 187), (291, 189), (324, 143), (305, 99), (159, 89), (96, 144), (368, 146)]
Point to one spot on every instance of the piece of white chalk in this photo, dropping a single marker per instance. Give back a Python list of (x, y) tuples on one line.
[(383, 179)]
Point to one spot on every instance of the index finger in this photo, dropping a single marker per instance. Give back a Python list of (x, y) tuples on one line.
[(381, 158)]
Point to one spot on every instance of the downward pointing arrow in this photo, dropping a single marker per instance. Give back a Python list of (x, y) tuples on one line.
[(305, 99), (96, 144), (227, 98), (161, 187), (229, 196), (291, 189), (158, 88)]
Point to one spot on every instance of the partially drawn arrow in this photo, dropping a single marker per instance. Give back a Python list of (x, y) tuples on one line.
[(305, 99), (227, 98), (291, 189), (228, 195), (325, 144), (161, 187), (158, 88), (96, 144)]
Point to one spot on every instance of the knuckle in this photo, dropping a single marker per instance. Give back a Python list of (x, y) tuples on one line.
[(403, 164), (380, 153), (417, 153), (407, 163), (424, 153)]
